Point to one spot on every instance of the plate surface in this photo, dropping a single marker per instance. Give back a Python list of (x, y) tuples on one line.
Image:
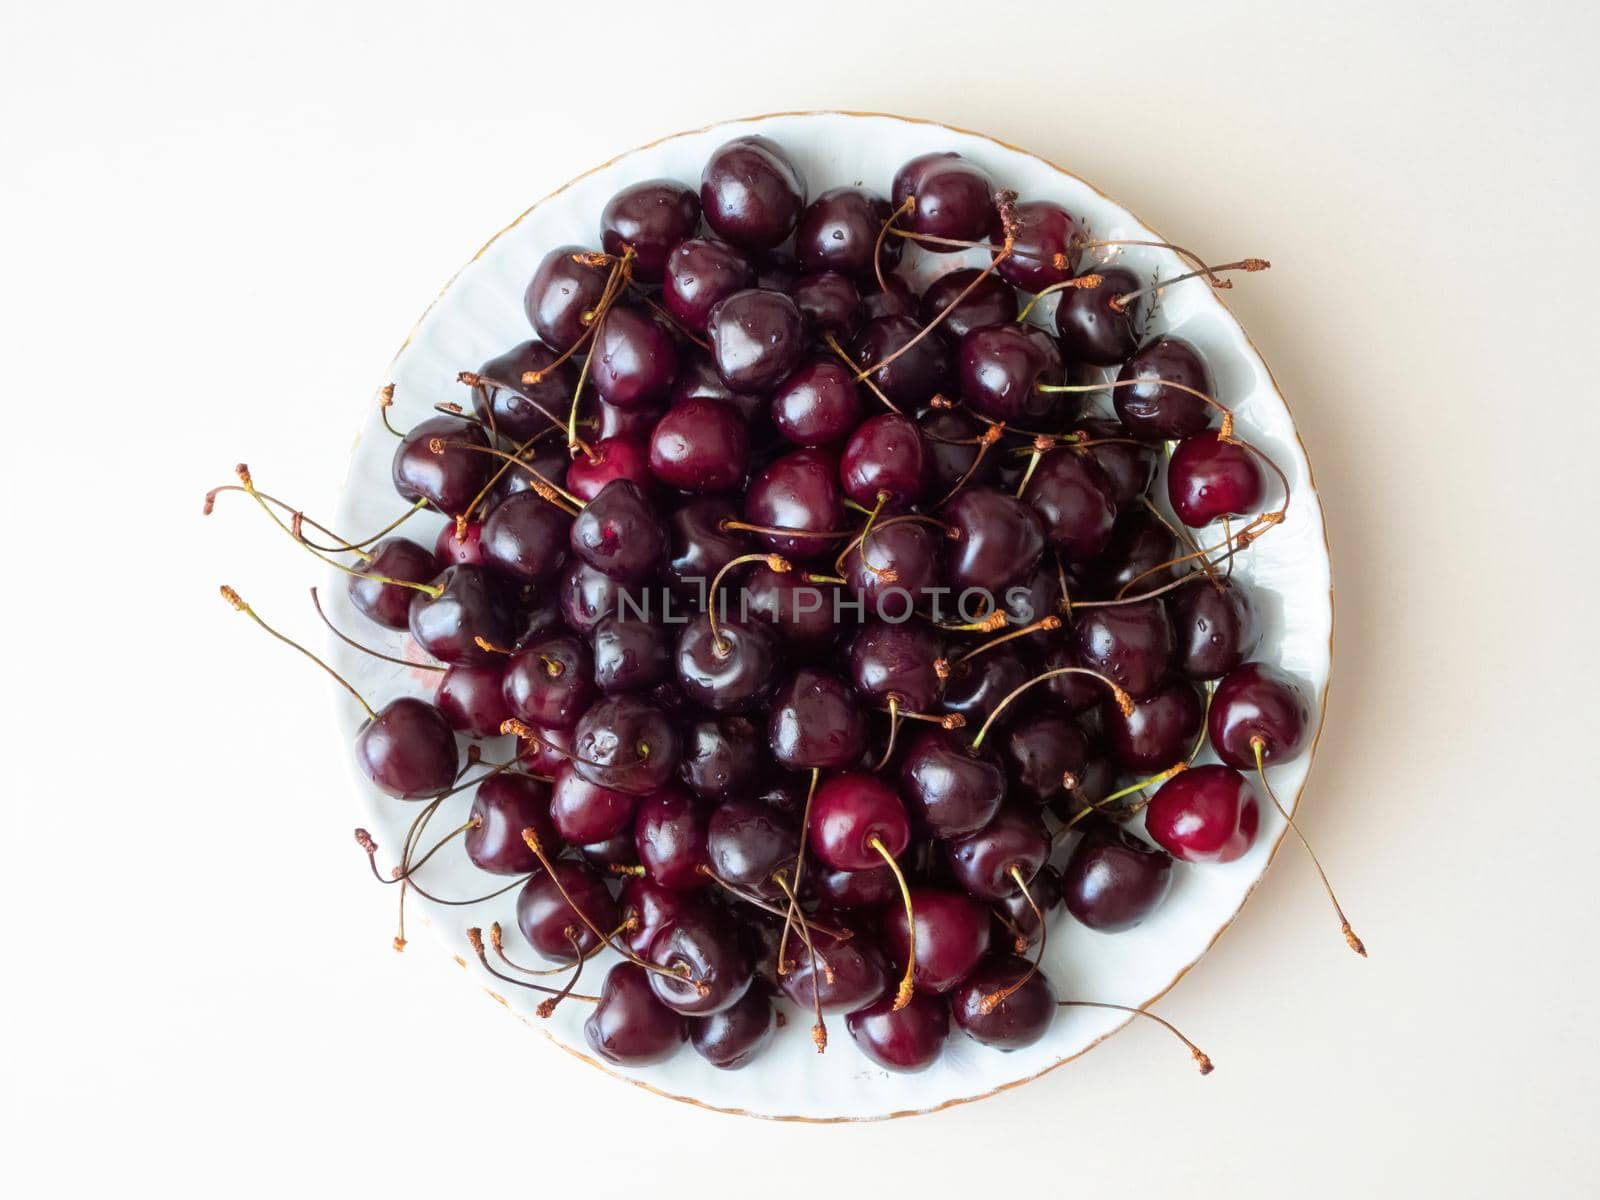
[(480, 314)]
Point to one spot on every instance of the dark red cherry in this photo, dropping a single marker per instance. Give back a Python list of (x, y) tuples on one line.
[(449, 478), (995, 540), (895, 299), (805, 613), (907, 1039), (1044, 751), (949, 789), (1130, 643), (624, 456), (897, 660), (626, 742), (1094, 326), (550, 682), (631, 655), (976, 687), (752, 193), (650, 906), (650, 218), (757, 339), (700, 546), (904, 566), (852, 811), (471, 698), (1074, 693), (451, 550), (1043, 252), (854, 889), (951, 436), (952, 938), (389, 604), (1214, 622), (630, 1026), (515, 414), (731, 669), (561, 298), (1154, 410), (992, 302), (1019, 1020), (549, 460), (914, 377), (1140, 544), (699, 273), (818, 405), (983, 861), (587, 595), (951, 198), (471, 605), (632, 361), (1208, 479), (408, 749), (732, 1038), (504, 806), (815, 722), (748, 841), (1044, 889), (1257, 700), (541, 757), (699, 446), (851, 973), (829, 303), (669, 833), (1113, 881), (1074, 502), (546, 917), (585, 813), (1000, 368), (710, 969), (798, 491), (884, 458), (839, 229), (525, 537), (1127, 469), (1206, 814), (618, 532), (1163, 729)]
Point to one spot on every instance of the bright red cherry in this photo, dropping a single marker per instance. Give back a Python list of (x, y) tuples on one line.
[(1205, 814)]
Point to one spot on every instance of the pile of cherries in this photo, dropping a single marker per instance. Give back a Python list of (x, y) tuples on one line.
[(841, 640)]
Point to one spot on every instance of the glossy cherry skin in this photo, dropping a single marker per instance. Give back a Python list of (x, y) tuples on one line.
[(631, 654), (1093, 327), (798, 491), (670, 833), (525, 538), (829, 303), (1151, 409), (1000, 368), (619, 533), (817, 405), (748, 841), (1044, 250), (651, 905), (449, 479), (408, 749), (950, 790), (983, 861), (895, 299), (471, 605), (916, 376), (911, 551), (1021, 926), (1140, 544), (1074, 502), (732, 1038), (650, 218), (504, 806), (587, 595), (951, 198), (1130, 643), (550, 682), (1017, 1021), (1127, 469), (951, 448), (621, 456), (543, 756), (632, 360), (584, 813), (1206, 814), (699, 446), (838, 230), (515, 415), (546, 917), (752, 193), (626, 743), (629, 1025), (997, 539), (1074, 693), (1044, 751), (952, 938), (471, 698), (853, 889), (707, 951), (699, 546), (897, 660), (389, 604), (884, 458), (992, 302), (564, 289), (1208, 479), (975, 688), (906, 1040), (731, 670), (451, 550), (851, 974), (757, 339), (1162, 730), (700, 272), (815, 721), (1215, 625), (800, 609), (1113, 881), (1258, 701), (849, 813)]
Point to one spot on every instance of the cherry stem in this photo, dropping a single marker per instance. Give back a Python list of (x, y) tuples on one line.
[(894, 730), (1124, 701), (688, 334), (1244, 264), (833, 344), (799, 862), (989, 437), (233, 598), (907, 206), (1080, 282), (516, 728), (775, 562), (316, 603), (784, 530), (995, 999), (1035, 453), (1225, 430), (621, 274), (1095, 806), (1005, 253), (1193, 258), (474, 380), (496, 942), (903, 996), (385, 402), (1181, 533), (733, 889), (1200, 1055), (543, 487), (298, 519), (1039, 626), (475, 940), (1258, 744), (887, 575)]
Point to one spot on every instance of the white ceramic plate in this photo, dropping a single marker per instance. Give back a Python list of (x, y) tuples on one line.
[(480, 314)]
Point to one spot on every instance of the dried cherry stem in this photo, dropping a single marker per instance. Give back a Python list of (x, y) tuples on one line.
[(775, 562), (799, 864), (1180, 532), (545, 488), (1124, 701), (408, 866), (475, 940), (942, 720), (994, 1000), (1257, 744), (989, 437), (907, 206), (902, 997), (316, 603), (1200, 1055), (496, 942), (988, 624), (621, 273), (1225, 430), (298, 519), (385, 402), (833, 344), (1078, 283), (474, 380), (1194, 260), (1039, 626), (750, 898), (546, 1007), (1244, 264), (233, 598), (819, 1028), (488, 647), (1149, 781)]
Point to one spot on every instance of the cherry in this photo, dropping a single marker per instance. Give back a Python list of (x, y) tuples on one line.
[(1162, 729), (1152, 409), (621, 456), (857, 822), (650, 905), (1001, 367), (472, 700), (995, 540), (633, 361), (552, 923), (730, 1039), (1017, 1021), (1127, 469), (851, 973), (992, 301), (630, 654), (1074, 502), (562, 296), (894, 299), (699, 545), (449, 478), (546, 755), (669, 833), (1215, 625), (752, 193), (710, 971), (1042, 250), (1141, 543), (448, 550), (1020, 922), (757, 339), (588, 595), (899, 661), (650, 218), (951, 789), (618, 532), (882, 464), (699, 273), (550, 682), (915, 376), (626, 743), (503, 807), (951, 198), (525, 537), (952, 937), (1257, 701), (1045, 753), (389, 604), (728, 668), (800, 608), (1095, 326), (699, 446), (1206, 814), (853, 889), (1074, 693), (408, 749), (817, 405), (1132, 643), (977, 686), (514, 408), (892, 570), (838, 230), (799, 491), (902, 1039), (952, 450), (747, 842), (829, 303), (988, 861), (629, 1025), (585, 813), (1113, 881), (1209, 478), (470, 605), (815, 722)]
